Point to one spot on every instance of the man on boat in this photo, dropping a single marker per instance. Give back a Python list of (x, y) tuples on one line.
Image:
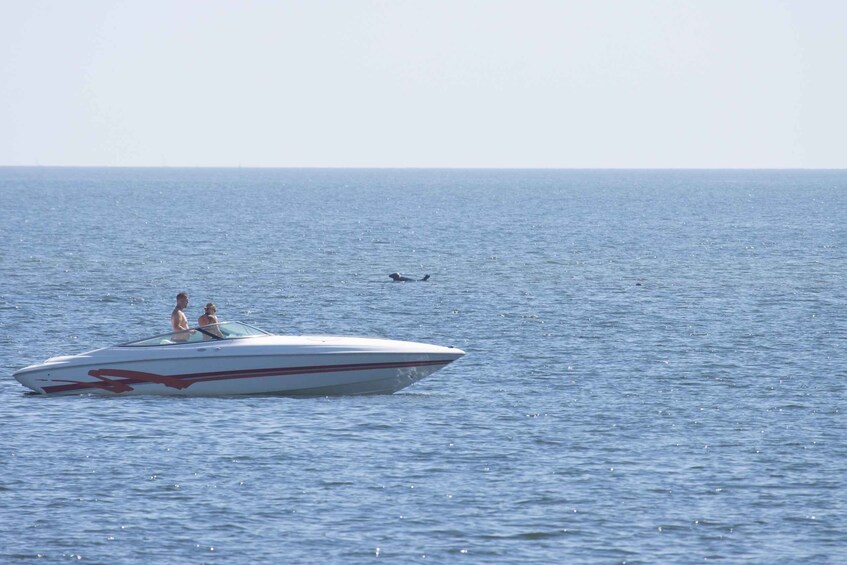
[(178, 320)]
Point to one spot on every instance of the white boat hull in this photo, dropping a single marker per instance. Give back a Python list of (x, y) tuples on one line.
[(313, 366)]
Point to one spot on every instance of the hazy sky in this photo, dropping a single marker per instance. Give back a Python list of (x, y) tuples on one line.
[(460, 83)]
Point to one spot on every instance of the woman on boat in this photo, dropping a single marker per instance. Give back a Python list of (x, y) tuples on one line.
[(209, 318)]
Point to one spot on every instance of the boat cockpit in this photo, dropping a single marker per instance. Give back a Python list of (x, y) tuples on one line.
[(200, 334)]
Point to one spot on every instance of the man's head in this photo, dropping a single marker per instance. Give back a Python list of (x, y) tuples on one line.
[(182, 299)]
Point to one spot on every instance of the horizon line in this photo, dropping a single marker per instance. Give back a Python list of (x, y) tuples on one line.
[(410, 168)]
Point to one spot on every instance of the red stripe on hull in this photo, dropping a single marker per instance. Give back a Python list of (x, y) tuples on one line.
[(126, 377)]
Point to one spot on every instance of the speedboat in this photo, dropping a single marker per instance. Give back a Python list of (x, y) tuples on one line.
[(235, 358)]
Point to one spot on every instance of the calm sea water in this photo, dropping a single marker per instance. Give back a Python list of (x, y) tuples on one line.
[(655, 371)]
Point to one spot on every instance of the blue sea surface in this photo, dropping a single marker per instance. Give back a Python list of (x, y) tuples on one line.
[(655, 368)]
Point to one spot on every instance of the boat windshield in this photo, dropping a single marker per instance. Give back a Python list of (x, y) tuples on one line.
[(200, 334)]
